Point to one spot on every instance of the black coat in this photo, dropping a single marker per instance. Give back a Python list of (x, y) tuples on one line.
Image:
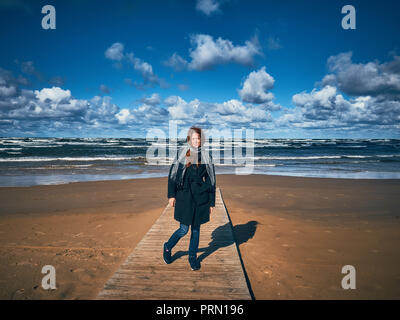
[(194, 196)]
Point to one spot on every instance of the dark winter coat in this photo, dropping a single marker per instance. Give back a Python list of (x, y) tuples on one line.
[(194, 196)]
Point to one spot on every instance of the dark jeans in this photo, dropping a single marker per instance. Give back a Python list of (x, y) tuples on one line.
[(179, 233)]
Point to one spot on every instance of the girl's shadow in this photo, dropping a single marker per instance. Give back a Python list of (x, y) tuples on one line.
[(222, 237)]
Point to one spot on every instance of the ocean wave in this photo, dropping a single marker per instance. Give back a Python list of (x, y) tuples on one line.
[(87, 143), (274, 145), (353, 146), (322, 157), (244, 159), (5, 149), (57, 167), (38, 159)]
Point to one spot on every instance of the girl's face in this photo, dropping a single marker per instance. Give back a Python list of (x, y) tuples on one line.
[(195, 139)]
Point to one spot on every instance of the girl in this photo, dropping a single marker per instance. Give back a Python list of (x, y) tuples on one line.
[(191, 191)]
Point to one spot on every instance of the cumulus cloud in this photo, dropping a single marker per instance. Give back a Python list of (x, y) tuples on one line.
[(124, 116), (145, 115), (55, 109), (53, 94), (207, 52), (7, 91), (231, 113), (116, 53), (255, 87), (50, 109), (360, 79), (373, 101), (153, 100), (234, 111), (150, 114), (101, 109), (144, 68), (327, 108), (321, 104), (42, 104)]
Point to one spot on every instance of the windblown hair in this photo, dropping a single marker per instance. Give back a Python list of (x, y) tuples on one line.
[(183, 156), (189, 136)]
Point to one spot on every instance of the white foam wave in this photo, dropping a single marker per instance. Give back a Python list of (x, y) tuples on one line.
[(38, 159)]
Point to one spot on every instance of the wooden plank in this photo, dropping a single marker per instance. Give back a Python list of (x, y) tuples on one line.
[(144, 274)]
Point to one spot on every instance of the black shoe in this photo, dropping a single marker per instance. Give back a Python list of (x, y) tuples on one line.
[(167, 255), (194, 264)]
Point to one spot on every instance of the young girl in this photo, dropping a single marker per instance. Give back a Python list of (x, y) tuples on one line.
[(191, 191)]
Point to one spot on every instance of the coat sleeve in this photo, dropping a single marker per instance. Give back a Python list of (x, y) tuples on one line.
[(211, 190), (171, 184)]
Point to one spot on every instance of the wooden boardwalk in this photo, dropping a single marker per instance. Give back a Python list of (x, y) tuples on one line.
[(144, 274)]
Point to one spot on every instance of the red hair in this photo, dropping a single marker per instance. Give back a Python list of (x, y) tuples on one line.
[(189, 136)]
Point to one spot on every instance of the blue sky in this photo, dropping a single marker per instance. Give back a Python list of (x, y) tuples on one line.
[(283, 68)]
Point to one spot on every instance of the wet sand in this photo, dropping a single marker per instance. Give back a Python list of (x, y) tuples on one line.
[(294, 234)]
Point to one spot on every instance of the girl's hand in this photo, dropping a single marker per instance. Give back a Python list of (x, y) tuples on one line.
[(211, 209), (172, 202)]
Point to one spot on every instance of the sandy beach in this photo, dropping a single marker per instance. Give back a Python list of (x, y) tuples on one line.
[(294, 234)]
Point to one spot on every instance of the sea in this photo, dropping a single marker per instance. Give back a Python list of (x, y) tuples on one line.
[(43, 161)]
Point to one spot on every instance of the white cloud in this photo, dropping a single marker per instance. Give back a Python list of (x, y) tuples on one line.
[(230, 107), (101, 108), (153, 100), (228, 113), (359, 79), (176, 62), (233, 111), (374, 97), (54, 108), (255, 87), (115, 52), (326, 108), (208, 52), (124, 116), (7, 91), (54, 94), (322, 98), (150, 114), (208, 7)]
